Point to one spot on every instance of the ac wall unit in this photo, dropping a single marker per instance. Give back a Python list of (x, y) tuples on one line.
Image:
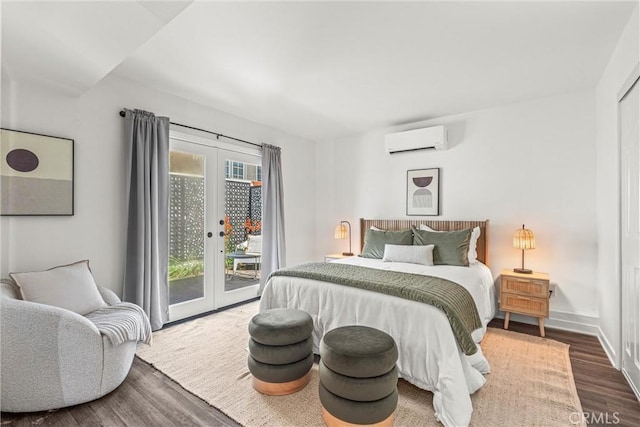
[(418, 139)]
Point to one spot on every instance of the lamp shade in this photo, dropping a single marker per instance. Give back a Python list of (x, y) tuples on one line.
[(524, 239), (341, 232)]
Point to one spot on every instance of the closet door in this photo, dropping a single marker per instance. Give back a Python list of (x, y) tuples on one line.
[(629, 116)]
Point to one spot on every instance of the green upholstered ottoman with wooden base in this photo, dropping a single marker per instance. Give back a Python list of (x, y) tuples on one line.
[(358, 377), (280, 351)]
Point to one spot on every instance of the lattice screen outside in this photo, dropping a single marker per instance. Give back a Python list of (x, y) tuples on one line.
[(187, 214)]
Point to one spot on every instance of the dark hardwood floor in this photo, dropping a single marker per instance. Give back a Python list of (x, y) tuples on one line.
[(149, 398)]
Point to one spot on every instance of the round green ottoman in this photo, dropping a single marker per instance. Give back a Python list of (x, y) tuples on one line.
[(359, 389), (344, 411), (358, 377), (280, 351), (280, 354), (281, 326)]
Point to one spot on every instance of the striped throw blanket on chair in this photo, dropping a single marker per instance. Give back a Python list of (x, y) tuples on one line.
[(122, 322)]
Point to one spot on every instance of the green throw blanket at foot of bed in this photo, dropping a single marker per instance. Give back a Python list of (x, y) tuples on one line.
[(454, 300)]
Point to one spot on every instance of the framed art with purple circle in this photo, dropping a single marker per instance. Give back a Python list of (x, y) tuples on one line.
[(36, 174), (423, 192)]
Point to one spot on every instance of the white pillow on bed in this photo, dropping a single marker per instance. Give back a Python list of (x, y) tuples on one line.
[(473, 242), (411, 254)]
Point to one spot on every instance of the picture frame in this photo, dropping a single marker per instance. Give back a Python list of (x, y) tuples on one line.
[(423, 192), (36, 174)]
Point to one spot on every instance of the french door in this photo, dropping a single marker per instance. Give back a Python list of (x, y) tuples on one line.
[(629, 126), (215, 212)]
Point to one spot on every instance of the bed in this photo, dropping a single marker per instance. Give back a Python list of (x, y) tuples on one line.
[(429, 355)]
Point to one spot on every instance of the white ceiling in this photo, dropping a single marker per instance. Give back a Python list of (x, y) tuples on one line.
[(72, 46), (321, 70)]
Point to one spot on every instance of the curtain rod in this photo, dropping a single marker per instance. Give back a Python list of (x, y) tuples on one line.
[(218, 135)]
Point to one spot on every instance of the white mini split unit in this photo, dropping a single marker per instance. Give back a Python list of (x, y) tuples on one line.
[(418, 139)]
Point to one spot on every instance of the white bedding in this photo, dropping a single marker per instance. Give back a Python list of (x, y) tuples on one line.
[(429, 356)]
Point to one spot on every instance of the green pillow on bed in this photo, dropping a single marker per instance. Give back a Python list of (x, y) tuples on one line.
[(374, 241), (451, 247)]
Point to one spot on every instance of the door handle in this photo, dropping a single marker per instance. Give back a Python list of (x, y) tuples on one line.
[(222, 234), (209, 234), (222, 222)]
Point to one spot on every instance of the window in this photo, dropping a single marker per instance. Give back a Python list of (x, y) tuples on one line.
[(258, 173), (234, 170), (237, 170)]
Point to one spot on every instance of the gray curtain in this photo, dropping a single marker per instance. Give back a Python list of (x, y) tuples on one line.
[(273, 246), (147, 251)]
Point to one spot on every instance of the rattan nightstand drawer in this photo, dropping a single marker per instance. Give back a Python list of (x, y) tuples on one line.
[(529, 287), (524, 305)]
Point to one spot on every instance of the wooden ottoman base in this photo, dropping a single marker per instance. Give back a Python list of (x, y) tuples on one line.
[(281, 389), (332, 421)]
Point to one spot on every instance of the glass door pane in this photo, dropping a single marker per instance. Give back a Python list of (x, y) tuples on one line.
[(186, 230), (190, 250), (241, 191)]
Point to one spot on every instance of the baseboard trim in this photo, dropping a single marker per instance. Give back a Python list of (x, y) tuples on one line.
[(608, 349), (581, 324), (631, 384)]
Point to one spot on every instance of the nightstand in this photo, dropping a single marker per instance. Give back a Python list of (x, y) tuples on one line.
[(526, 294), (331, 257)]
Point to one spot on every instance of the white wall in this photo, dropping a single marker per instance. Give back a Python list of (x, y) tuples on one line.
[(97, 230), (625, 57), (531, 163)]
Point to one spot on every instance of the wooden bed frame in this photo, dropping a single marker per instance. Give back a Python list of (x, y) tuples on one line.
[(405, 224)]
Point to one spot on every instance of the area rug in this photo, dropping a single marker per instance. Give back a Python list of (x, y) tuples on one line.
[(530, 384)]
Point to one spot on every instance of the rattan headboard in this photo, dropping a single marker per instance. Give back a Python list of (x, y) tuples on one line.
[(405, 224)]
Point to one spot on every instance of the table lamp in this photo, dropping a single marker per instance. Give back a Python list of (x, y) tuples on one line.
[(523, 239), (341, 233)]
